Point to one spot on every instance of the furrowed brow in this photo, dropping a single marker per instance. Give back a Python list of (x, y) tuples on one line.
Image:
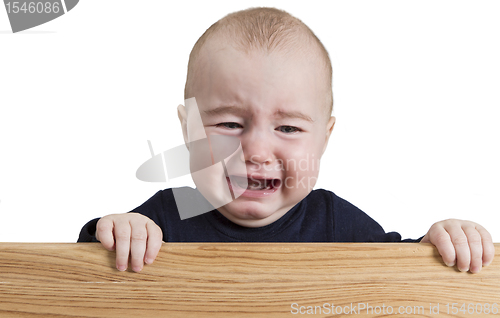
[(222, 110), (293, 114)]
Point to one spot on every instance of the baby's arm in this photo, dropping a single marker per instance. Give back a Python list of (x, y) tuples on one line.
[(130, 234), (465, 243)]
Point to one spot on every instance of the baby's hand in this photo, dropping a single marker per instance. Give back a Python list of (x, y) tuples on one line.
[(464, 243), (130, 234)]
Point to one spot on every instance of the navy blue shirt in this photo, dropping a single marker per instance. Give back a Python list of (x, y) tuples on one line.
[(320, 217)]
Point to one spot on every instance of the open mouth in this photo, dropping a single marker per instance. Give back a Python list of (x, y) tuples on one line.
[(254, 184)]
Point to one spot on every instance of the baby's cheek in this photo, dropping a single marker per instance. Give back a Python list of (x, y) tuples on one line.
[(301, 171)]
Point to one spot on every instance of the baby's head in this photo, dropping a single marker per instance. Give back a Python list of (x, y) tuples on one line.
[(262, 76)]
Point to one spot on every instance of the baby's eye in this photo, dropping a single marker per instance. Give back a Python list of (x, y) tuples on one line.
[(229, 125), (288, 129)]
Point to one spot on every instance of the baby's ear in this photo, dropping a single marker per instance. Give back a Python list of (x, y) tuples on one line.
[(181, 112), (329, 128)]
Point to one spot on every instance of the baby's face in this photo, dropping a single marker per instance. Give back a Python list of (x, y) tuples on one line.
[(275, 105)]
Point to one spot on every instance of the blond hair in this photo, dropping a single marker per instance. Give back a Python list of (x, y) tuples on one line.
[(267, 29)]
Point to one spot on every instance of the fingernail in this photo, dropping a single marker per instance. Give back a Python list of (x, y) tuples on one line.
[(148, 261), (137, 268), (121, 268), (450, 264)]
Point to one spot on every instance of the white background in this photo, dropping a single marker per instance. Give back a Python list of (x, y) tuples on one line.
[(416, 89)]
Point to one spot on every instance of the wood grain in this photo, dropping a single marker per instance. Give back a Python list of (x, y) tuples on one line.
[(242, 280)]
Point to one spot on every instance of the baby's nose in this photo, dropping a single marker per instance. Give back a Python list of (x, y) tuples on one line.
[(257, 150)]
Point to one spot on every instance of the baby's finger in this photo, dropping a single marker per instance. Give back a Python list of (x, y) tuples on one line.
[(441, 239), (138, 246), (475, 247), (155, 237), (488, 247), (122, 237), (461, 244), (104, 233)]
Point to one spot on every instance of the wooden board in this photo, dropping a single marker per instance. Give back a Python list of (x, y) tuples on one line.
[(244, 280)]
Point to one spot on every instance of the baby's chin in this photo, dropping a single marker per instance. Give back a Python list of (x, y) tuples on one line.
[(252, 213)]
